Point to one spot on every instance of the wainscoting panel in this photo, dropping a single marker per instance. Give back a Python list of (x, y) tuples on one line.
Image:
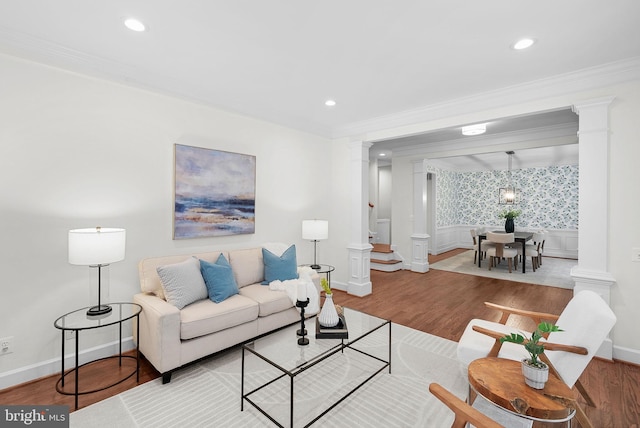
[(558, 243)]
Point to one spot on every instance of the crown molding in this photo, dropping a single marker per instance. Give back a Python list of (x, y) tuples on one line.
[(581, 80)]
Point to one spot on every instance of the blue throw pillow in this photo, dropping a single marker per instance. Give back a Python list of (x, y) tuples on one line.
[(219, 279), (280, 268)]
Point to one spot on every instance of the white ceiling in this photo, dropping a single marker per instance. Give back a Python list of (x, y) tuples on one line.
[(279, 60), (538, 140)]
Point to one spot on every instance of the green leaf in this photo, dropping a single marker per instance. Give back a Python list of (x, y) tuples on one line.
[(513, 338)]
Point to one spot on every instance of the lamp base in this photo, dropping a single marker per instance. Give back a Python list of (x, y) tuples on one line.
[(99, 310), (314, 266)]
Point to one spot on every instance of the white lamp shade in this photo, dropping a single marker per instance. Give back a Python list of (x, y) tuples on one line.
[(315, 230), (96, 246)]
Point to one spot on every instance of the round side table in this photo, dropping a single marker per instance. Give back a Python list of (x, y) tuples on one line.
[(78, 321), (326, 269)]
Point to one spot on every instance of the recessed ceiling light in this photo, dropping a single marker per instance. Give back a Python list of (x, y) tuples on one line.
[(523, 44), (134, 25), (330, 103), (382, 155), (478, 129)]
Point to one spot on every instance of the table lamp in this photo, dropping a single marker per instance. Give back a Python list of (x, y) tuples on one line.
[(315, 230), (96, 247)]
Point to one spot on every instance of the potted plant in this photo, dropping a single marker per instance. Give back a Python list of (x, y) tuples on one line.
[(535, 371), (328, 315), (509, 215)]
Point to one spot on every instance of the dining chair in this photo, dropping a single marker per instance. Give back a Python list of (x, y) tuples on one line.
[(531, 250), (585, 322), (541, 250), (499, 251), (485, 244)]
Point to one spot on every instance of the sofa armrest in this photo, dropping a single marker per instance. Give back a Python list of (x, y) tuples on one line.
[(159, 332)]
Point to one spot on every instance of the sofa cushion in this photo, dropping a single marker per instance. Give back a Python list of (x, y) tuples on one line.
[(148, 269), (206, 317), (219, 279), (182, 282), (281, 267), (270, 301), (247, 266)]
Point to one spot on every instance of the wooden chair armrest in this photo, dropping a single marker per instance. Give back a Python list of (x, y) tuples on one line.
[(537, 317), (550, 346), (463, 412)]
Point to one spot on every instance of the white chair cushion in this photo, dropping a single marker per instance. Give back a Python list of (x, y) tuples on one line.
[(586, 321), (474, 345)]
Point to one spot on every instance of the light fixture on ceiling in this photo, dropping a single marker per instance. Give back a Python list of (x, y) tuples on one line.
[(509, 195), (330, 103), (134, 25), (523, 44), (477, 129)]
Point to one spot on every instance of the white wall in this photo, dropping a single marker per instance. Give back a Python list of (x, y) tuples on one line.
[(81, 152), (384, 192), (624, 207)]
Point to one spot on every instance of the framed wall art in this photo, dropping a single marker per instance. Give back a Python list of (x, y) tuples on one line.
[(214, 193)]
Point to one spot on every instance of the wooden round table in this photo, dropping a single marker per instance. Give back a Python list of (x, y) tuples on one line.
[(501, 381)]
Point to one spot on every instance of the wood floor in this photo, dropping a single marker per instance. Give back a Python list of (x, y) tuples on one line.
[(437, 302)]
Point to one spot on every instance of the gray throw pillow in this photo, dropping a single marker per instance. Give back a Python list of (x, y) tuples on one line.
[(182, 282)]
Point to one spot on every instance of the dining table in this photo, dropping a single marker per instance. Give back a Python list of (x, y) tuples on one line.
[(520, 237)]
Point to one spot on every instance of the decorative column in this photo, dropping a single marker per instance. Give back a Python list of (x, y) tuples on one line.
[(592, 272), (359, 283), (420, 238)]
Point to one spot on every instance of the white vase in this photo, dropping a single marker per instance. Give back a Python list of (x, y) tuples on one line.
[(328, 315), (534, 376)]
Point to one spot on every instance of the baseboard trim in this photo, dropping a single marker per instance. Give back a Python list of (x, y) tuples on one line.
[(626, 355), (53, 366)]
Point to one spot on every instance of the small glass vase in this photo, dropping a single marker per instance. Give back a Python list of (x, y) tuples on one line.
[(328, 315)]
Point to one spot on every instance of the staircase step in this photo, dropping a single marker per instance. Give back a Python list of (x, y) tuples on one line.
[(382, 248), (386, 262), (386, 265)]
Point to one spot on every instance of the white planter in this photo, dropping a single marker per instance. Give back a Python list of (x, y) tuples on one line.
[(534, 376), (328, 315)]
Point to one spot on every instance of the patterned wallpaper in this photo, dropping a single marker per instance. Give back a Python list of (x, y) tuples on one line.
[(549, 197)]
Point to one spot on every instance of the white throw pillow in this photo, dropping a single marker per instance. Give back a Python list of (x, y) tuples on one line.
[(182, 282)]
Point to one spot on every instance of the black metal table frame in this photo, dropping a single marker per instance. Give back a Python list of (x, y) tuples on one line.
[(303, 367), (523, 238), (76, 392)]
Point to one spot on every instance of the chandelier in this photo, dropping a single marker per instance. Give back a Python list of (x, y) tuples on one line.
[(509, 195)]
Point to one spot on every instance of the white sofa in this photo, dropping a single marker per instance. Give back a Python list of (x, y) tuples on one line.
[(172, 337)]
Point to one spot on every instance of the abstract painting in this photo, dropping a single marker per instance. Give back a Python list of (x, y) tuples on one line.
[(214, 193)]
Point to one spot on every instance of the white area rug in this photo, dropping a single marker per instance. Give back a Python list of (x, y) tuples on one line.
[(208, 394), (554, 272)]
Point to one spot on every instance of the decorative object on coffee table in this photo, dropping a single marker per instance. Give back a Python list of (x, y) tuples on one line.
[(339, 331), (301, 302), (328, 315), (535, 371)]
